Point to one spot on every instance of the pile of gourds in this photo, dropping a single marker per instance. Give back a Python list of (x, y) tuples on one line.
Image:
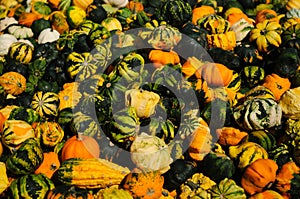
[(150, 99)]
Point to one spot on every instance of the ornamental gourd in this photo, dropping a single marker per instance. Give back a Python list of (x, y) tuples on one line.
[(230, 136), (6, 40), (227, 188), (49, 165), (21, 52), (80, 146), (48, 35), (69, 192), (267, 194), (143, 184), (15, 132), (259, 175), (75, 16), (278, 85), (26, 159), (13, 83), (160, 58), (37, 186), (50, 133), (45, 103), (91, 173)]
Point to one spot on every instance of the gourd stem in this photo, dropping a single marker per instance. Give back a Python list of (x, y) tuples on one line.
[(79, 136)]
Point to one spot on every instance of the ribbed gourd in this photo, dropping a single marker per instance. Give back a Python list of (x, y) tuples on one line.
[(91, 173), (227, 188), (31, 186), (26, 159), (85, 124), (21, 52), (46, 104), (49, 132)]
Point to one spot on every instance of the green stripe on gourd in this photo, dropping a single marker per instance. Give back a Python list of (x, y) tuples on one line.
[(25, 159), (65, 116), (81, 65), (162, 128), (253, 75), (85, 124), (31, 186), (75, 16), (99, 34), (281, 154), (259, 92), (49, 132), (263, 138), (246, 153), (87, 25), (227, 188), (46, 104), (235, 82), (21, 52), (27, 114)]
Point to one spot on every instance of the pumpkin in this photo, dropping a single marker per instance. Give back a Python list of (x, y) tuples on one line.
[(150, 153), (75, 16), (15, 132), (33, 186), (230, 136), (45, 103), (235, 14), (91, 173), (278, 85), (227, 188), (267, 194), (200, 12), (266, 34), (285, 175), (26, 159), (13, 83), (144, 102), (49, 164), (135, 6), (201, 141), (21, 52), (292, 4), (267, 14), (246, 153), (289, 103), (69, 192), (226, 41), (49, 132), (176, 12), (59, 22), (80, 146), (191, 65), (259, 175), (4, 183), (217, 166), (215, 74), (2, 121), (145, 184), (160, 58)]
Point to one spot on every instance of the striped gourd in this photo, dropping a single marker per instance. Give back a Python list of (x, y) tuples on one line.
[(253, 75), (25, 159), (49, 132), (81, 65), (91, 173), (26, 114), (99, 34), (235, 82), (281, 154), (45, 103), (263, 138), (85, 124), (87, 25), (21, 52), (246, 153), (258, 114), (209, 23), (259, 92), (176, 12), (31, 186), (227, 188)]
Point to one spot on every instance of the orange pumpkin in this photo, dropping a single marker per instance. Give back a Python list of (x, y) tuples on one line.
[(146, 185), (2, 120), (27, 18), (278, 85), (191, 66), (1, 149), (13, 83), (234, 14), (216, 74), (160, 58), (80, 146), (268, 14), (135, 6), (54, 3), (230, 136), (49, 165), (201, 142), (284, 177), (201, 12), (259, 175)]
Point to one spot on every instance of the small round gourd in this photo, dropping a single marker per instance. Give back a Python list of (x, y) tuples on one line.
[(13, 83), (21, 52)]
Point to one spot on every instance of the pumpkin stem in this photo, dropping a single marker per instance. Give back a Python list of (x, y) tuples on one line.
[(79, 136)]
